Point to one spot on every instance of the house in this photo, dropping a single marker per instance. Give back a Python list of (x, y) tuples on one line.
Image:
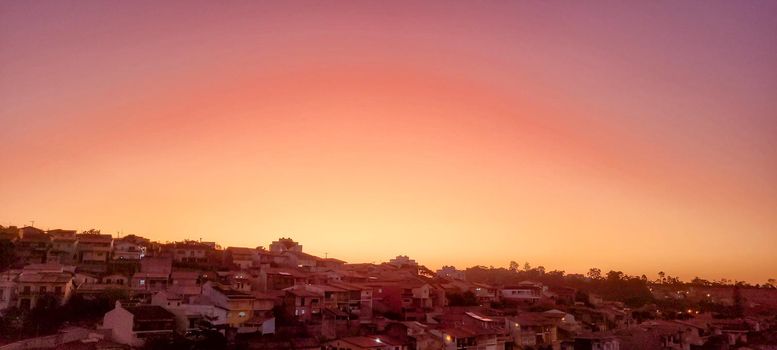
[(303, 304), (484, 293), (266, 257), (280, 278), (451, 272), (94, 248), (238, 280), (300, 259), (534, 329), (462, 329), (373, 342), (184, 320), (524, 292), (149, 282), (263, 320), (415, 334), (95, 290), (241, 257), (115, 279), (403, 260), (564, 295), (32, 246), (411, 298), (590, 319), (190, 316), (565, 320), (354, 299), (185, 283), (156, 264), (33, 284), (191, 252), (63, 247), (239, 306), (128, 250), (8, 288), (80, 278), (596, 342), (92, 287), (330, 263), (133, 325), (285, 244), (154, 275)]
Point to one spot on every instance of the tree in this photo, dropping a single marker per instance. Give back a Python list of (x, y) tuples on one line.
[(462, 299), (514, 266), (661, 276), (12, 323), (46, 316), (210, 339), (739, 301), (541, 270), (614, 276), (7, 255), (526, 266), (594, 273), (425, 271)]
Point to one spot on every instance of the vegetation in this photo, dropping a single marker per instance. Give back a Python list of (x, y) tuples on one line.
[(615, 285), (7, 255), (48, 315), (462, 299)]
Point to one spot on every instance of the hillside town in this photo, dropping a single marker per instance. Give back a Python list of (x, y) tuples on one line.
[(63, 289)]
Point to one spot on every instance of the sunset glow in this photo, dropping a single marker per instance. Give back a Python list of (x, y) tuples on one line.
[(637, 137)]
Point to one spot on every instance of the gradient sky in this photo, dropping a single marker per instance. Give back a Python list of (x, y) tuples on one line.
[(622, 135)]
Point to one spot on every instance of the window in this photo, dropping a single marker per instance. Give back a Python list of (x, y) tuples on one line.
[(142, 282), (242, 314), (58, 290), (43, 289), (26, 289)]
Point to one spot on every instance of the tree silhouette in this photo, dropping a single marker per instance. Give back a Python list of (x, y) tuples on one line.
[(594, 273), (514, 266), (7, 255), (739, 301)]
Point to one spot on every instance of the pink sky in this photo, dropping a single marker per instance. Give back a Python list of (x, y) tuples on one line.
[(637, 137)]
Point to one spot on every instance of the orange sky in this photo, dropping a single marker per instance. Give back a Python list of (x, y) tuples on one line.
[(637, 138)]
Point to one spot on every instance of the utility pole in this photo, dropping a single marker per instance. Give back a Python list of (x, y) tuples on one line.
[(32, 223)]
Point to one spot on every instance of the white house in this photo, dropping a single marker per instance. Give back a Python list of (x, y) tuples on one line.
[(133, 325)]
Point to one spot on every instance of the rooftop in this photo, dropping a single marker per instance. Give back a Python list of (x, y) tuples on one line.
[(149, 313)]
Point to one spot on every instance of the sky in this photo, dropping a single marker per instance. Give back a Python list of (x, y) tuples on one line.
[(635, 136)]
